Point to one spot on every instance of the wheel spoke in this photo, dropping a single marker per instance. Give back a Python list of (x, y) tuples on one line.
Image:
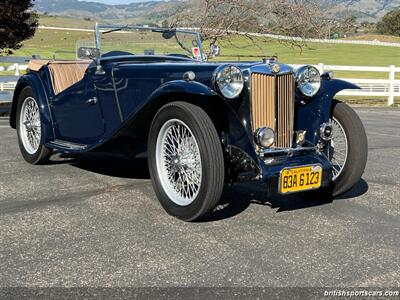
[(180, 161), (338, 148), (30, 128)]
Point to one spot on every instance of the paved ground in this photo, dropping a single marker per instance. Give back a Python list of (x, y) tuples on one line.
[(8, 78), (96, 222)]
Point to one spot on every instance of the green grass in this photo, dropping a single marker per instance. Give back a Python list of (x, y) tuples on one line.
[(314, 53), (46, 42), (53, 21), (370, 101), (375, 37)]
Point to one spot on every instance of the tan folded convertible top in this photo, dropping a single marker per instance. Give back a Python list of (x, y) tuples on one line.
[(37, 64), (63, 73)]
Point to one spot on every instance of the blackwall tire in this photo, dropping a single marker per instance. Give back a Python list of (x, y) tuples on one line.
[(197, 151), (357, 148), (33, 152)]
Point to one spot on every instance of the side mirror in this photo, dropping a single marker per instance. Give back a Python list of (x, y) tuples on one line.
[(93, 54), (88, 53), (169, 34), (215, 50)]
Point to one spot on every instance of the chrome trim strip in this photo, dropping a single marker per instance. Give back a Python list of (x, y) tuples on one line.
[(116, 94), (288, 150), (97, 36), (68, 145), (98, 29)]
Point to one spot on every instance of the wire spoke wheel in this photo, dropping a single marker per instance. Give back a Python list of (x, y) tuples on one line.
[(30, 127), (179, 162), (186, 160), (338, 150)]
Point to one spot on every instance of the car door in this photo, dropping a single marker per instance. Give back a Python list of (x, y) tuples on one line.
[(77, 112)]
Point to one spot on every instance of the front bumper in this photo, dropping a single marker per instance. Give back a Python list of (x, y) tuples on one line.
[(272, 166)]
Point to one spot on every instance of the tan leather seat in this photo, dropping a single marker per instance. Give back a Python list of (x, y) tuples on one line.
[(63, 73)]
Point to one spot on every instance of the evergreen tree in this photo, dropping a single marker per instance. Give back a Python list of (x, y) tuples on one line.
[(390, 23), (18, 22)]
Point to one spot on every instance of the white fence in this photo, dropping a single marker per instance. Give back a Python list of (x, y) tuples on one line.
[(389, 87), (324, 41), (16, 68), (285, 37), (266, 35), (7, 86)]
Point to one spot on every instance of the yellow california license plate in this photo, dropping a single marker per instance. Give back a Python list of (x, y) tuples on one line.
[(300, 179)]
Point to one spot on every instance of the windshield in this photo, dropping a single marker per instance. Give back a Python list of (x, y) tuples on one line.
[(148, 41)]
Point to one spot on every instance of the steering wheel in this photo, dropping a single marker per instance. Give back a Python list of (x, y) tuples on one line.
[(116, 53)]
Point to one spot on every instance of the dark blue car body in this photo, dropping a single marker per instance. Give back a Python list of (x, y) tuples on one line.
[(133, 88)]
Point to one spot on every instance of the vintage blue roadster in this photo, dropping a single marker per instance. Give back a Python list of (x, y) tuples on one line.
[(202, 124)]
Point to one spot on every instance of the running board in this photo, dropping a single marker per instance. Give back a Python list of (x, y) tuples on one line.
[(69, 145)]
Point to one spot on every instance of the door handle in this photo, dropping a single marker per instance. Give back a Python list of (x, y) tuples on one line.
[(92, 101)]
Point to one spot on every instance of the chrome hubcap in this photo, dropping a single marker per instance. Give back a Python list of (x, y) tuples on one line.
[(30, 129), (178, 162), (338, 150)]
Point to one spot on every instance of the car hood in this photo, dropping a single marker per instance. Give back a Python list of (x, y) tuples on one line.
[(167, 68)]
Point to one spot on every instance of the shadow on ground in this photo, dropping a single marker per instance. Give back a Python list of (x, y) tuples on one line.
[(238, 197), (235, 199), (108, 164)]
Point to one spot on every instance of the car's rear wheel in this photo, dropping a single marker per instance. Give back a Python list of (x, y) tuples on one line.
[(185, 160), (29, 129), (348, 149)]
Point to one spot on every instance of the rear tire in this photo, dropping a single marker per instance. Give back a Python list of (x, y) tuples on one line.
[(30, 129), (186, 161), (357, 147)]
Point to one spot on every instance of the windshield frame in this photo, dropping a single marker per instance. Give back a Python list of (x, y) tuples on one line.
[(101, 29)]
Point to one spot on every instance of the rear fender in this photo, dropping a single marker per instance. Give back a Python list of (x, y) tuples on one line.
[(34, 81)]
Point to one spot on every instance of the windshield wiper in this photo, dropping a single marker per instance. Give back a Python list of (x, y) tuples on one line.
[(116, 29)]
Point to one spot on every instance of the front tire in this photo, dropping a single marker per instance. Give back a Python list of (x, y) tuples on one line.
[(30, 129), (186, 161), (348, 149)]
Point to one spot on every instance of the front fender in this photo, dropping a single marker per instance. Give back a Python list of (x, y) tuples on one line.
[(228, 123), (34, 81), (334, 86), (311, 115)]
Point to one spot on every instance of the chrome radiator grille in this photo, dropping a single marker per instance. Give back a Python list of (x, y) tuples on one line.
[(273, 105)]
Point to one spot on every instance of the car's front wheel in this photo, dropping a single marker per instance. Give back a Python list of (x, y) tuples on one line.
[(29, 129), (348, 149), (185, 160)]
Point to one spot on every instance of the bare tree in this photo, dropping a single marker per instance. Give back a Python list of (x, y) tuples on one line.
[(221, 19)]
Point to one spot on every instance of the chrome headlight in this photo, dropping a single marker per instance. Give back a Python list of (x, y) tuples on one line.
[(229, 81), (308, 80), (264, 137)]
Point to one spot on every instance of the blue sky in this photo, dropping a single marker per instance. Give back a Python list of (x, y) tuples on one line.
[(117, 1)]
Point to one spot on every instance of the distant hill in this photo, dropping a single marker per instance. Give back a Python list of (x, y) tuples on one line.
[(156, 11), (367, 10), (150, 11)]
